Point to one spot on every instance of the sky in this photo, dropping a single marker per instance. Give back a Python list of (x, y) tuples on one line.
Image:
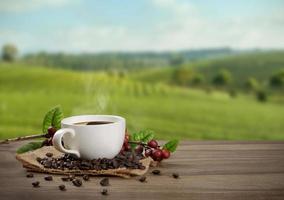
[(83, 26)]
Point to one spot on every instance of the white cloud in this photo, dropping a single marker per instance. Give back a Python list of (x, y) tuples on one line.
[(185, 28), (16, 6), (188, 27)]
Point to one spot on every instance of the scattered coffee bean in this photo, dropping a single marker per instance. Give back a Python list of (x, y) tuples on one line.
[(65, 179), (142, 179), (30, 175), (48, 178), (86, 177), (156, 172), (38, 159), (77, 182), (175, 175), (62, 187), (104, 182), (104, 192), (35, 184), (48, 154)]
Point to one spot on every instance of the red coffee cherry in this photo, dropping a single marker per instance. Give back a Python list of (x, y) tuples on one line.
[(165, 153), (157, 155), (127, 147), (153, 143), (51, 131)]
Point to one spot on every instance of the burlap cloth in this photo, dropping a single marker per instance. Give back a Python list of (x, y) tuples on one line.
[(31, 164)]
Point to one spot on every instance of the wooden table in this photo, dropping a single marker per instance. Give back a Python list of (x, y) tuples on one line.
[(208, 170)]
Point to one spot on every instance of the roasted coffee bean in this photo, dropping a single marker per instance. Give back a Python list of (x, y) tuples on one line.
[(62, 187), (30, 175), (35, 184), (175, 175), (86, 177), (156, 172), (104, 182), (104, 192), (65, 179), (39, 159), (48, 178), (47, 164), (142, 179), (104, 166), (48, 154), (77, 182)]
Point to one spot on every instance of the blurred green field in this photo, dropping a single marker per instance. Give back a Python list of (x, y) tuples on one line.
[(260, 65), (26, 93)]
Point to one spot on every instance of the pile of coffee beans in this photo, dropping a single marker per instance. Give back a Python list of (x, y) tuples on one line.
[(127, 159)]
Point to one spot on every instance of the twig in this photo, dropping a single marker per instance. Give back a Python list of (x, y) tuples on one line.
[(140, 143), (22, 138), (134, 142)]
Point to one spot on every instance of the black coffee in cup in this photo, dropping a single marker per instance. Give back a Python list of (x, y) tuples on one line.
[(93, 123)]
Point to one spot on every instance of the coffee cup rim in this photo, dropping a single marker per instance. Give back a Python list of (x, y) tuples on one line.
[(76, 119)]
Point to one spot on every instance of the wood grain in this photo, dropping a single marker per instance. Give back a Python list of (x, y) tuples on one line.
[(209, 170)]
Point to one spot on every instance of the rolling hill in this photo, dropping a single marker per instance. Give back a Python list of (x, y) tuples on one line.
[(260, 65), (26, 93)]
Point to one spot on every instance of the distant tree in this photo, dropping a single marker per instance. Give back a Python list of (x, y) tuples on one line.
[(233, 93), (182, 76), (223, 78), (261, 96), (176, 60), (122, 73), (251, 84), (9, 52), (197, 79), (208, 89), (277, 80)]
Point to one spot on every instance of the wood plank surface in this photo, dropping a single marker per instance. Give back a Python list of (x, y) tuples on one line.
[(208, 170)]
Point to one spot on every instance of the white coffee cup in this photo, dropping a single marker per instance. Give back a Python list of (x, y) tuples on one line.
[(90, 141)]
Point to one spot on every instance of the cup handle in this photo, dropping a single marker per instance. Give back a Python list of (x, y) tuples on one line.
[(57, 141)]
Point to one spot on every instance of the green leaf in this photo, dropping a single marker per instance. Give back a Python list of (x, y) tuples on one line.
[(171, 145), (147, 135), (142, 136), (29, 147), (57, 117), (47, 120), (52, 118)]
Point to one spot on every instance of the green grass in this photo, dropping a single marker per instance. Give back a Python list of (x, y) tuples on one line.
[(26, 93)]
